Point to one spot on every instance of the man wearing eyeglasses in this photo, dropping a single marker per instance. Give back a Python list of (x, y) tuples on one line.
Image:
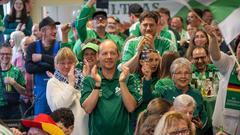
[(202, 69), (12, 84), (99, 25)]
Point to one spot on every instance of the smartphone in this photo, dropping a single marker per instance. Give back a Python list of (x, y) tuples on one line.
[(102, 4), (145, 55)]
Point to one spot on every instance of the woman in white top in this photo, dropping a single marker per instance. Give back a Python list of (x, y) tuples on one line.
[(63, 89)]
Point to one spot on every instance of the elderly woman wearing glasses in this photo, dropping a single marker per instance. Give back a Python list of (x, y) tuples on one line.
[(181, 74), (174, 123), (63, 89)]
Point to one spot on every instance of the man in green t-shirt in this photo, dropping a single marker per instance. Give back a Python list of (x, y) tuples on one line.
[(109, 95), (99, 25), (202, 69), (12, 84), (133, 47)]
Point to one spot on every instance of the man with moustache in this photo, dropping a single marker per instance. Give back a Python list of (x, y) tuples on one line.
[(133, 47)]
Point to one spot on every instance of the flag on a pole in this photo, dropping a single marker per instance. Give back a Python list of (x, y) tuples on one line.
[(226, 13), (230, 26)]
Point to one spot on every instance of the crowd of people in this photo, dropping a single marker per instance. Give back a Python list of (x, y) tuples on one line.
[(103, 79)]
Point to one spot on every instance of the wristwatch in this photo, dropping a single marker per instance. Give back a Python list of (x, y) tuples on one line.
[(97, 87)]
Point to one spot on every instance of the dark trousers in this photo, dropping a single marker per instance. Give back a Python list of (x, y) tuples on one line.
[(10, 112)]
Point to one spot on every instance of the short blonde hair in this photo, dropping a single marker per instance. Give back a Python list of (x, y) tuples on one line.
[(167, 121), (65, 53)]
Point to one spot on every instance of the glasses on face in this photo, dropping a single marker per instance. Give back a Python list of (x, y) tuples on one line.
[(98, 17), (66, 63), (199, 58), (184, 131), (6, 54), (184, 73)]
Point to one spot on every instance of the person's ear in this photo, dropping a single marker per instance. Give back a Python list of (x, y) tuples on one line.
[(119, 56), (192, 61), (97, 56)]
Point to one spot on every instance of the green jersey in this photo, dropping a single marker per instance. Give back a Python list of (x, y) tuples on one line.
[(110, 115)]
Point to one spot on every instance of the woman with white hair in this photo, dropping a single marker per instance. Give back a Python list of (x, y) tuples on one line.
[(181, 73), (185, 104), (15, 42)]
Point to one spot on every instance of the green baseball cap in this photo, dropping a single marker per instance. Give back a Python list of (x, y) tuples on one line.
[(89, 45)]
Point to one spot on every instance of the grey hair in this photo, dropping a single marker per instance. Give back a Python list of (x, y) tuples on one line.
[(180, 62), (183, 101)]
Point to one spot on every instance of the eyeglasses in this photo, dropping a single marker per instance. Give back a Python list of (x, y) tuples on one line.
[(98, 17), (184, 73), (184, 131), (7, 54), (200, 58)]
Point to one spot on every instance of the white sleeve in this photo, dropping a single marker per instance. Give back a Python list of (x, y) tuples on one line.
[(60, 94), (225, 63)]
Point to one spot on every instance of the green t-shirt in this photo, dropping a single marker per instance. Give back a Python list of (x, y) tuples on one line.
[(130, 49), (145, 89), (198, 78), (15, 73), (110, 115), (164, 82), (134, 30), (77, 49), (84, 33), (211, 69), (171, 92)]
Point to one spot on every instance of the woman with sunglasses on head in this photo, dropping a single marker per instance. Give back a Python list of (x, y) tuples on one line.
[(200, 39), (146, 75)]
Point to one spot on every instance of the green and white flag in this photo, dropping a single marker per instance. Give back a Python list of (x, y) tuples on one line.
[(226, 13)]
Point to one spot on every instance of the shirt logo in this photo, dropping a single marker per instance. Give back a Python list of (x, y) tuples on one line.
[(117, 91)]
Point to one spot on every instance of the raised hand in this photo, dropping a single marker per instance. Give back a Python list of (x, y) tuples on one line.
[(86, 68), (146, 70), (66, 28), (124, 73), (23, 27), (95, 75), (9, 80), (71, 76), (210, 30), (18, 28), (91, 3), (146, 40), (149, 40)]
